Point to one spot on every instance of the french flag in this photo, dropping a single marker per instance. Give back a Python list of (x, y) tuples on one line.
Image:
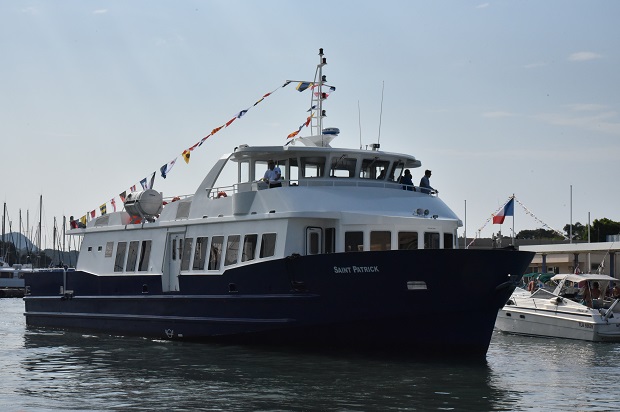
[(507, 210)]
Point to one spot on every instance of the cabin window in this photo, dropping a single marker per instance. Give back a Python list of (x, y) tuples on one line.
[(353, 241), (187, 253), (407, 240), (448, 241), (119, 262), (313, 166), (260, 167), (132, 256), (431, 240), (174, 249), (109, 247), (268, 245), (380, 240), (330, 240), (200, 253), (145, 254), (215, 256), (397, 170), (372, 168), (232, 250), (249, 247), (293, 169), (244, 172), (343, 166)]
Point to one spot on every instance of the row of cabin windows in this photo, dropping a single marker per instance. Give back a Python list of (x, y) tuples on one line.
[(132, 256), (382, 240), (184, 247), (339, 166), (127, 257), (127, 253)]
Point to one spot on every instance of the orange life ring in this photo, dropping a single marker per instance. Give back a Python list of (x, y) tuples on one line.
[(221, 194)]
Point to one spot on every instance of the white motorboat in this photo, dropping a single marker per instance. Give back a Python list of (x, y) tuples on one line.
[(574, 310), (12, 281)]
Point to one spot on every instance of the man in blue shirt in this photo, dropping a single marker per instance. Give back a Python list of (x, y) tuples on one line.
[(425, 184)]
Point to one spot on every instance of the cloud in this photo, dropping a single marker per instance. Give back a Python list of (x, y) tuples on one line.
[(604, 121), (586, 107), (583, 56), (100, 11), (483, 6)]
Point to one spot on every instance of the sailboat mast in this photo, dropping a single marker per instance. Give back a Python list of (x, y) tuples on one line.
[(40, 218), (3, 219)]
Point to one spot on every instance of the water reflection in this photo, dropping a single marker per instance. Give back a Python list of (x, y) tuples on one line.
[(106, 372), (43, 369)]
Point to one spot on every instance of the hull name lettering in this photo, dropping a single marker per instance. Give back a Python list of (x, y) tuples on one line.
[(356, 269)]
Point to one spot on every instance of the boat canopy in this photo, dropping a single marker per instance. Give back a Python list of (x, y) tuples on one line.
[(584, 276)]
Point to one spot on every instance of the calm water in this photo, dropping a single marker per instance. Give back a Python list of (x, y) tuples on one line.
[(53, 370)]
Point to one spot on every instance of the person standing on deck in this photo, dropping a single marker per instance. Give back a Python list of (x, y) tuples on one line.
[(425, 184)]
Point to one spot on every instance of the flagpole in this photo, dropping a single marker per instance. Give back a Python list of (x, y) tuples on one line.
[(513, 221), (465, 228)]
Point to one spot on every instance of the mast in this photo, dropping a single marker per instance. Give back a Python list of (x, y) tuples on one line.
[(316, 127), (39, 235), (3, 219)]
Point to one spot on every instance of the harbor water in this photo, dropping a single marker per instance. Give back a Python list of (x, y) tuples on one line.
[(43, 370)]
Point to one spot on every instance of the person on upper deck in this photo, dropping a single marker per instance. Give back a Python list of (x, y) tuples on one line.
[(381, 175), (425, 184), (406, 181), (273, 175)]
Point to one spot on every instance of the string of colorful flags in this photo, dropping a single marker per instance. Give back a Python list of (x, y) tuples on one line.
[(506, 206), (148, 182)]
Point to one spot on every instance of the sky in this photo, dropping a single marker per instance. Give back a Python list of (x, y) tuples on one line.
[(496, 98)]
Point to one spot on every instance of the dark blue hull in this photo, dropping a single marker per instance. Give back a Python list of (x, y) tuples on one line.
[(438, 300)]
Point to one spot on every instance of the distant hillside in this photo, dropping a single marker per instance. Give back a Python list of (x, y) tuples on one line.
[(21, 242)]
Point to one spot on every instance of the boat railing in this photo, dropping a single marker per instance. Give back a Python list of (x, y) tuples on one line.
[(223, 191)]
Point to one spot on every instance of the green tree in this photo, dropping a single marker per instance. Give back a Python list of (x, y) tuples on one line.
[(601, 228), (580, 232), (538, 234)]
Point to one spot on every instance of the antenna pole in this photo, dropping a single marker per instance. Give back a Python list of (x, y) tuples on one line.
[(381, 113), (359, 121)]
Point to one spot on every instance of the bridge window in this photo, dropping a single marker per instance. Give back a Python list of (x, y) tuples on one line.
[(371, 168), (313, 166), (343, 166)]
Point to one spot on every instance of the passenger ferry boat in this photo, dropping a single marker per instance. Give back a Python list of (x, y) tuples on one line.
[(338, 255)]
